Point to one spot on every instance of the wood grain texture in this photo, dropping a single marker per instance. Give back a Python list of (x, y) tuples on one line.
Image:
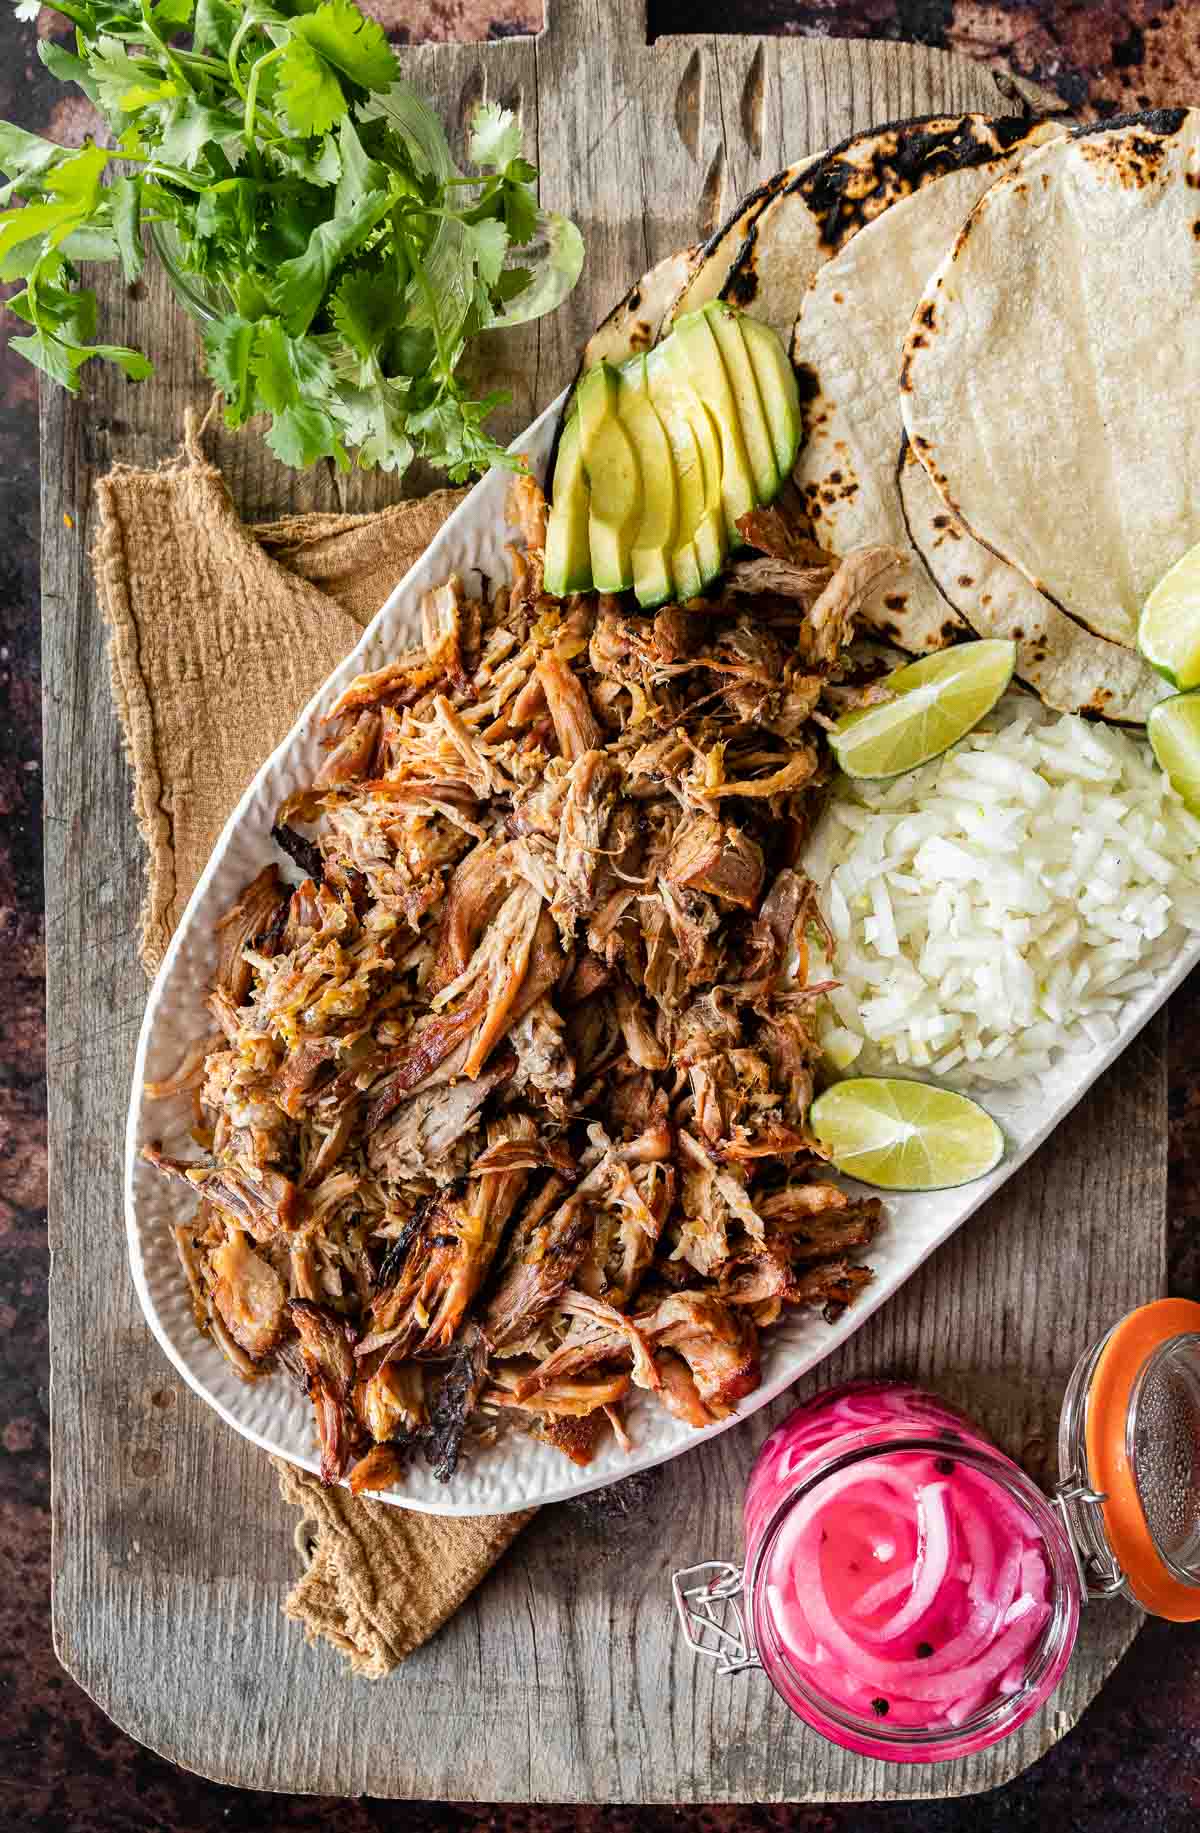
[(564, 1678)]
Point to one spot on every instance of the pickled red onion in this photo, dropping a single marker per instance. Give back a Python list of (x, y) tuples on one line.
[(968, 1576)]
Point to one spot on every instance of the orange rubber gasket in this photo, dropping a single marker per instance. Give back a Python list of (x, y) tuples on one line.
[(1121, 1361)]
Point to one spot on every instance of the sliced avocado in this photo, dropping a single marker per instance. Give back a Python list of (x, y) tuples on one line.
[(694, 355), (701, 549), (777, 386), (747, 395), (568, 553), (615, 478), (658, 529)]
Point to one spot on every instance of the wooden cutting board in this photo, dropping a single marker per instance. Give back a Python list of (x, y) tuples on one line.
[(564, 1678)]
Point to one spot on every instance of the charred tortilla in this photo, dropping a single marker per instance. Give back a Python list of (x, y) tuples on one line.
[(1051, 376), (819, 211), (635, 322), (847, 343), (1069, 668)]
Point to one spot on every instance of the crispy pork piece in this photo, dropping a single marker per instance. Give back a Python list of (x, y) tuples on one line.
[(416, 1139), (577, 1439), (575, 725), (390, 1403), (379, 1468), (719, 1347), (248, 1293), (348, 761), (546, 1247), (592, 787), (707, 855), (527, 507), (478, 886), (556, 1399), (261, 1201), (677, 1390), (785, 533), (441, 1039), (830, 624), (327, 1348), (442, 1260), (454, 1402), (254, 912), (442, 631), (604, 1330), (383, 685)]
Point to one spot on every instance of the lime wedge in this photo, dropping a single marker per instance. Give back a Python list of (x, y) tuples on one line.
[(1169, 628), (1173, 729), (936, 701), (902, 1135)]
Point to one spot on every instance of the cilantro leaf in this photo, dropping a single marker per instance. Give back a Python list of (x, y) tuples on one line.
[(52, 356), (127, 226), (63, 361), (310, 92), (292, 374), (355, 260), (489, 243), (303, 282), (25, 156), (363, 310), (66, 67), (495, 136), (189, 127), (357, 174), (123, 84), (349, 41), (520, 210), (216, 23), (322, 168), (228, 346), (171, 15), (415, 125)]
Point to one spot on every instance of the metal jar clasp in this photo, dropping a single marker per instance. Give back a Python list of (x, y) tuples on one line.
[(1079, 1508), (706, 1600)]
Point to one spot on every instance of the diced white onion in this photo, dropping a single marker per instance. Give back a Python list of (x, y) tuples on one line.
[(995, 908)]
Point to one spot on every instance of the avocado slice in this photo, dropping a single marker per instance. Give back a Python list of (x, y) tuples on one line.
[(568, 552), (700, 553), (777, 386), (694, 355), (656, 532), (615, 478), (756, 431)]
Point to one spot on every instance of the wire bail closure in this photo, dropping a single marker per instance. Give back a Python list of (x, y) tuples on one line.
[(706, 1598), (1078, 1506)]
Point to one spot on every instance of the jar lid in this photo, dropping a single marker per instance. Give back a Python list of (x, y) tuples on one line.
[(1131, 1431)]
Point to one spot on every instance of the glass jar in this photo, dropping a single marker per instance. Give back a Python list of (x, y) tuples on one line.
[(910, 1593), (203, 300)]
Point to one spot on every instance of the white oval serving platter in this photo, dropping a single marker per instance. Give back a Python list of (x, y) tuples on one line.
[(516, 1472)]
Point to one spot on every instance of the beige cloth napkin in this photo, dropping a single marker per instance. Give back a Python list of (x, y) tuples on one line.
[(220, 633)]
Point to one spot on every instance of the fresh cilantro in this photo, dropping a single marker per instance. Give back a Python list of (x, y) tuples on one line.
[(304, 281), (489, 242), (364, 311), (311, 94), (350, 42), (285, 166), (495, 136), (229, 346)]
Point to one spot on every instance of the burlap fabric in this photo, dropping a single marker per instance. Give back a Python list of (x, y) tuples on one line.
[(220, 633)]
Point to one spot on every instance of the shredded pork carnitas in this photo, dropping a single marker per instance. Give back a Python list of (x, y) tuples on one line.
[(504, 1104)]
